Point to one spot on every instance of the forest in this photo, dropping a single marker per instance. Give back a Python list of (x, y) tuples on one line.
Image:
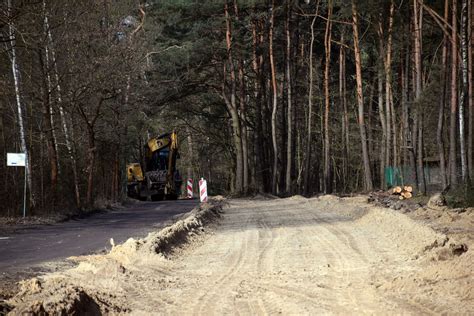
[(281, 97)]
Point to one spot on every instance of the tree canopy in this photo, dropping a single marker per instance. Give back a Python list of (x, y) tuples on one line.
[(286, 97)]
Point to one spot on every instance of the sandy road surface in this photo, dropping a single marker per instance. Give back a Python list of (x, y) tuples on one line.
[(297, 256)]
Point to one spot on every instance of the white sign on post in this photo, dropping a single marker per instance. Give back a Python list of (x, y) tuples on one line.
[(16, 160)]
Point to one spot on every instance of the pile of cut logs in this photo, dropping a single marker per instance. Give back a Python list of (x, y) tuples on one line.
[(404, 192)]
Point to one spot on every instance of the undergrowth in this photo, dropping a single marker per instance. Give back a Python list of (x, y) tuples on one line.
[(461, 196)]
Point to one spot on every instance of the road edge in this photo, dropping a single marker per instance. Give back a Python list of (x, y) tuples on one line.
[(72, 298)]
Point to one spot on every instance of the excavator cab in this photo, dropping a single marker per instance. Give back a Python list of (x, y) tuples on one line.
[(161, 178)]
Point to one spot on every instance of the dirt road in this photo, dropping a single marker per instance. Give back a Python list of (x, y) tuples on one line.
[(291, 256)]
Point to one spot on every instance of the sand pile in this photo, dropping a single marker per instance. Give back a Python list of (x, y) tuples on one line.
[(163, 242), (407, 234), (57, 298), (438, 243)]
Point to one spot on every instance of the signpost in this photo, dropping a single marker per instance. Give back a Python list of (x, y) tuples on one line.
[(16, 160), (19, 160)]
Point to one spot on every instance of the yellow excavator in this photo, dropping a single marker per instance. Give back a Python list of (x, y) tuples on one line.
[(161, 180)]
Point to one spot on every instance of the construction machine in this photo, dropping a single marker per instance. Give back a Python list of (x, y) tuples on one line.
[(161, 179)]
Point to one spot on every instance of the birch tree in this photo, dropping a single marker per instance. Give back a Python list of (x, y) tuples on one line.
[(48, 108), (59, 98), (18, 97)]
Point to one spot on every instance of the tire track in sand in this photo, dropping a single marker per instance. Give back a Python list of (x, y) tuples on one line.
[(206, 301), (279, 293)]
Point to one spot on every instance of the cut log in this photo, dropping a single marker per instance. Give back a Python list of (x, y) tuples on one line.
[(408, 188), (406, 194), (401, 197), (396, 190)]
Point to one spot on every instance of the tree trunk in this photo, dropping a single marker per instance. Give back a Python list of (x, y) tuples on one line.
[(71, 147), (42, 142), (232, 107), (310, 107), (464, 89), (90, 165), (439, 131), (452, 127), (16, 81), (420, 156), (384, 109), (327, 63), (243, 114), (243, 133), (115, 185), (386, 56), (190, 170), (414, 133), (383, 146), (360, 101), (274, 104), (67, 137), (417, 15), (404, 101), (48, 111), (47, 67), (258, 143), (345, 119), (469, 90), (389, 108), (289, 141), (52, 153), (370, 124)]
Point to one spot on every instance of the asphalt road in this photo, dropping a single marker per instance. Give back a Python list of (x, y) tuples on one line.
[(34, 245)]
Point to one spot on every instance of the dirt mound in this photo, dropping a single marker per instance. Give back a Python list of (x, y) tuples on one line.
[(264, 196), (57, 299), (438, 243), (296, 197), (161, 243), (329, 198), (407, 234), (442, 273), (87, 288)]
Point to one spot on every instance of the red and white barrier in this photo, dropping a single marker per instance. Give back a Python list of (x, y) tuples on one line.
[(189, 187), (203, 190)]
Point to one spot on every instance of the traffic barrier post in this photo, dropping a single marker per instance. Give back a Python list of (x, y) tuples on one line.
[(203, 190)]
